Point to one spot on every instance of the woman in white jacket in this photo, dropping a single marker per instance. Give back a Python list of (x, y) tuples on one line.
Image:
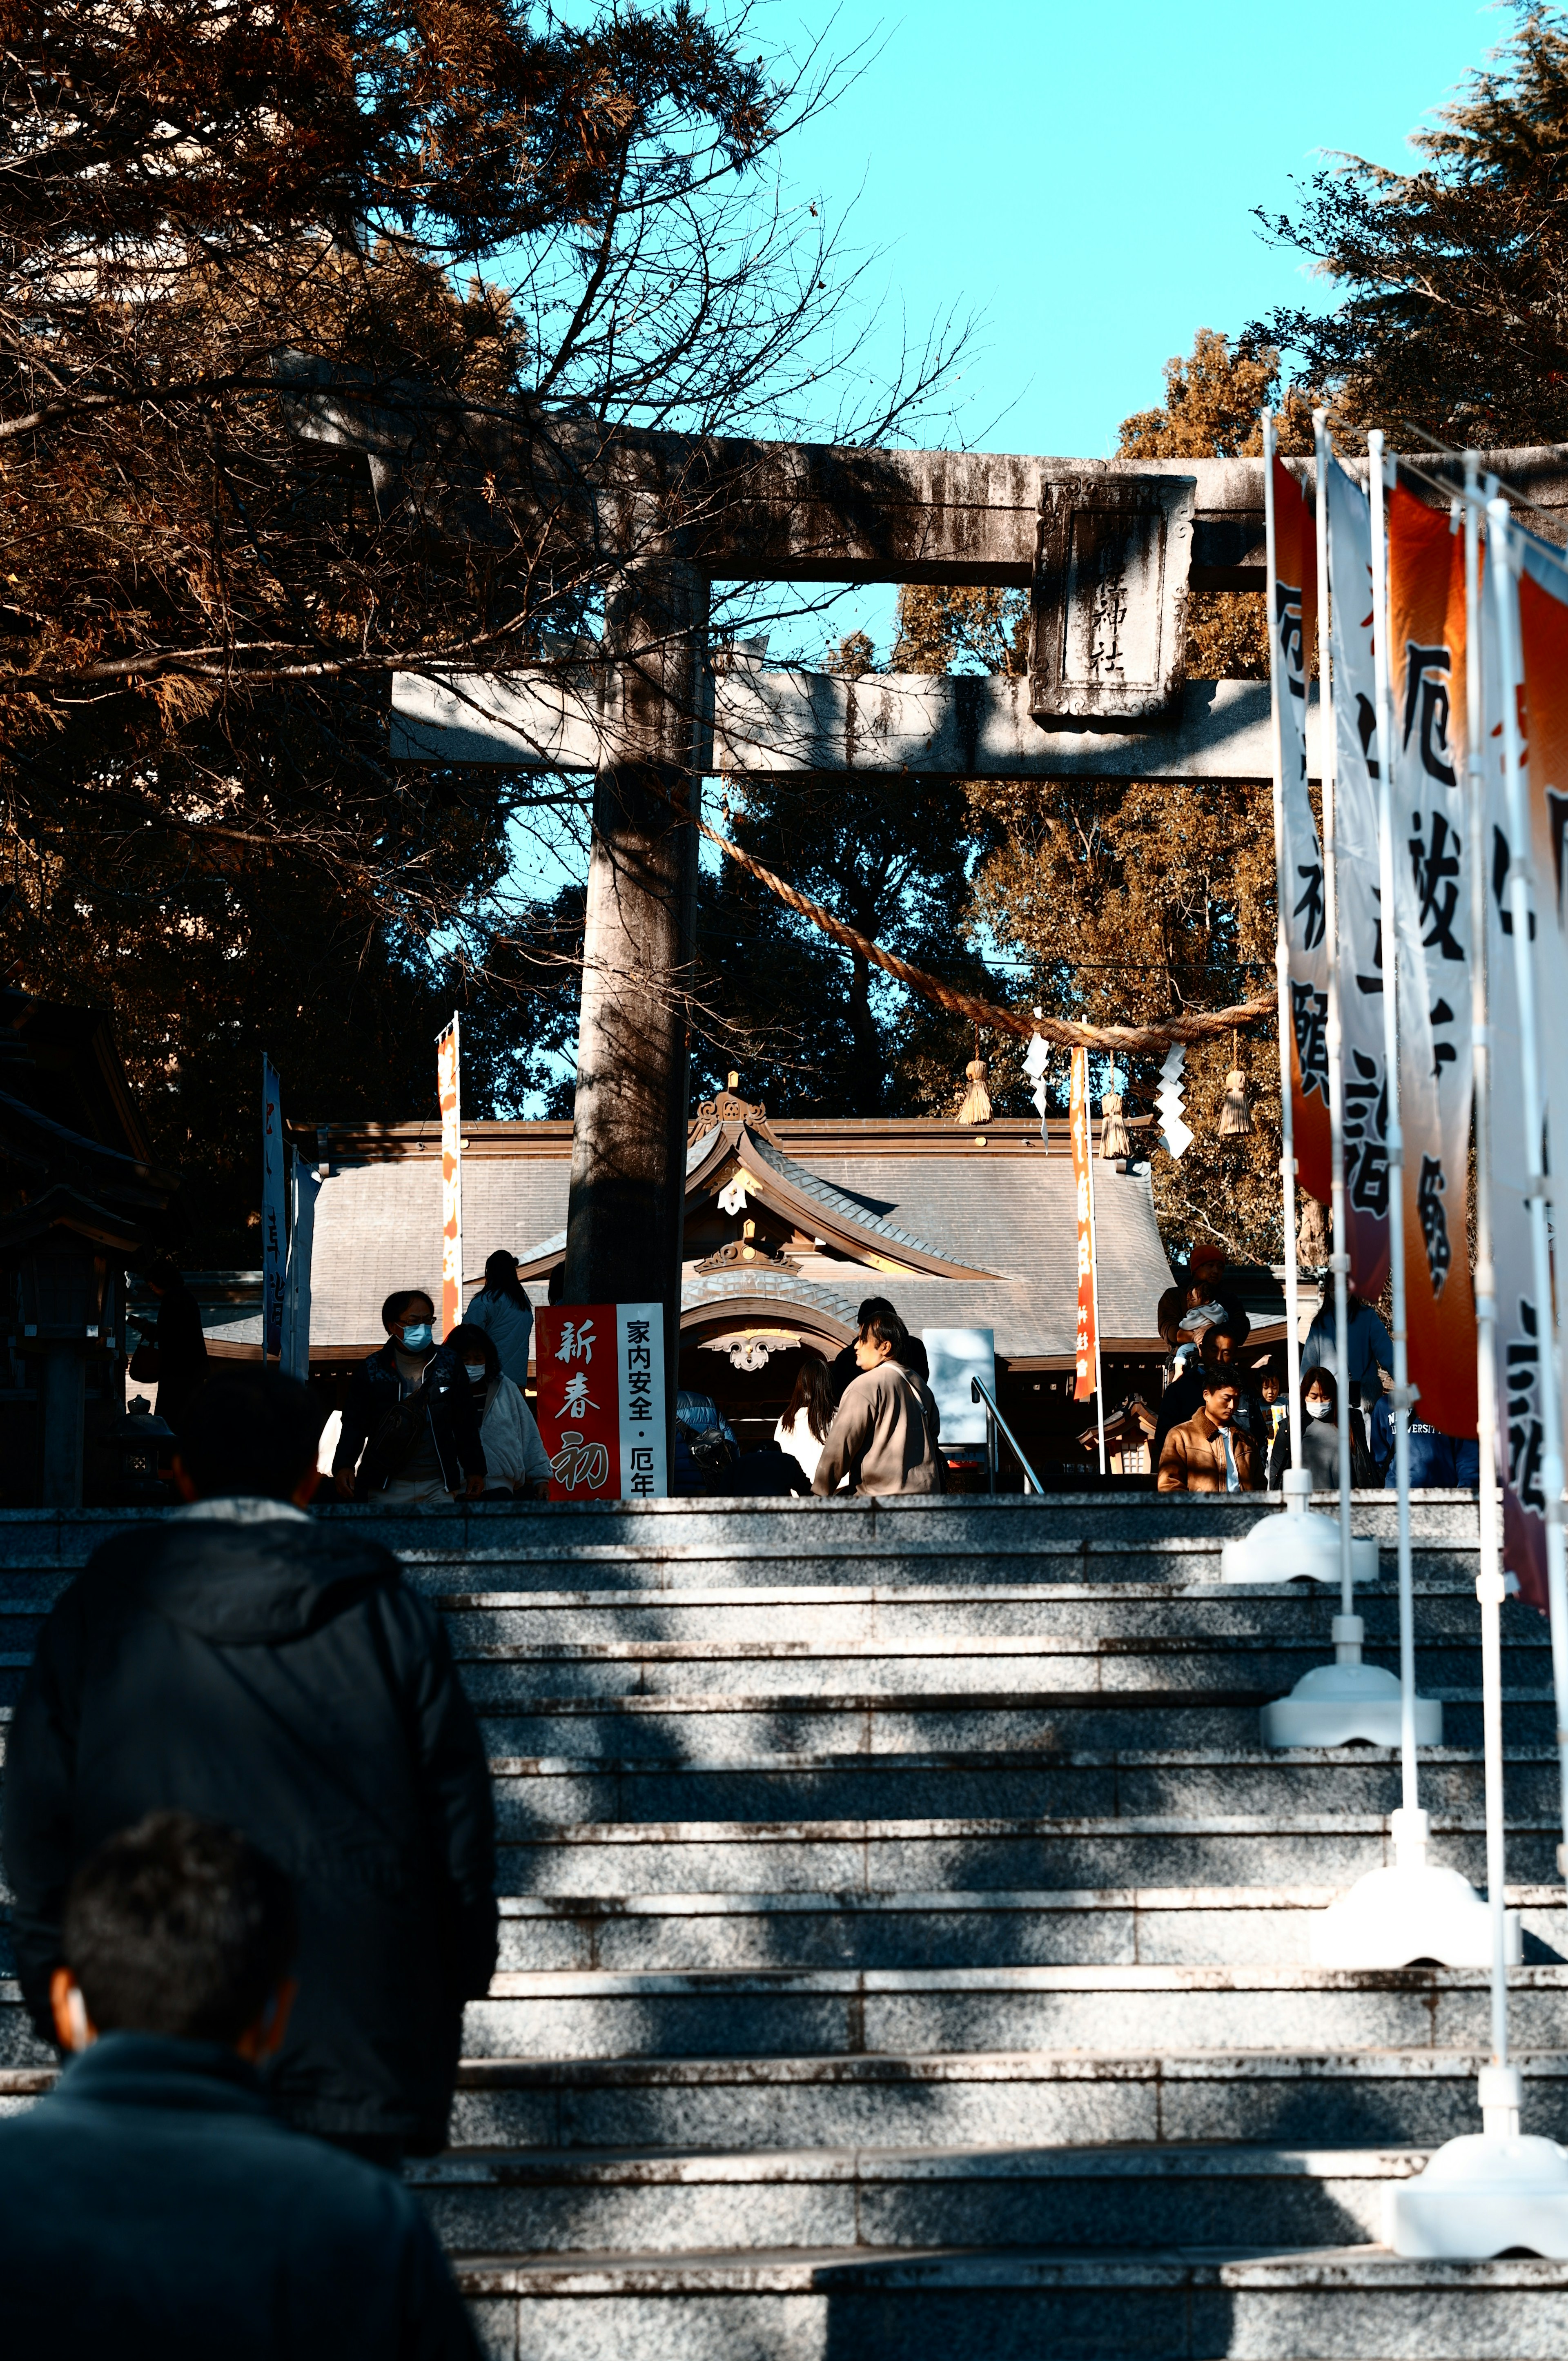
[(515, 1462)]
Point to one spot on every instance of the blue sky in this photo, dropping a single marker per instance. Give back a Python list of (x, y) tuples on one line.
[(1084, 176)]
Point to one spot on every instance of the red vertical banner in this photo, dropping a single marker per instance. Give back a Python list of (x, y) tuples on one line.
[(1432, 854), (1087, 1345), (579, 1400), (447, 1075)]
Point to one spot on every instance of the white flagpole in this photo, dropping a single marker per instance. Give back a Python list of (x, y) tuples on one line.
[(1538, 1188), (1094, 1271), (1411, 1828), (1293, 1497), (1339, 1262), (1489, 1580)]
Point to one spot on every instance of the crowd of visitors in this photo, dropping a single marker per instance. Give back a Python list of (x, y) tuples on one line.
[(1206, 1331)]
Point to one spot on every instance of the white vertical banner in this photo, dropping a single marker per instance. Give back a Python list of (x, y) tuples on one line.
[(304, 1188), (1520, 1432), (274, 1221), (448, 1080), (639, 1364), (1356, 772)]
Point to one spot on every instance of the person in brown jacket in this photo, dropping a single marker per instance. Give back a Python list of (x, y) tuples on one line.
[(883, 1434), (1208, 1453)]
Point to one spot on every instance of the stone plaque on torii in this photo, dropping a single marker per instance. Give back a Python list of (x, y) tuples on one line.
[(1108, 552)]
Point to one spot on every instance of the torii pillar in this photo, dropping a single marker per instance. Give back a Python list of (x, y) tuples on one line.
[(625, 1215)]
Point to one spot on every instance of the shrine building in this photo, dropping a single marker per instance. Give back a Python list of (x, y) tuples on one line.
[(790, 1224)]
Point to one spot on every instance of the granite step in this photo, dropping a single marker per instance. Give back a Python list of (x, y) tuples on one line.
[(1070, 1669), (1156, 1927), (719, 1727), (902, 1856), (1323, 2098), (1123, 2197), (1389, 2098), (829, 2012), (654, 1934), (1358, 2303), (897, 2012), (1224, 1613), (861, 1612), (1030, 1782)]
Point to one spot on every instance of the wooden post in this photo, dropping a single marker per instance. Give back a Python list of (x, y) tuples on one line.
[(627, 1206)]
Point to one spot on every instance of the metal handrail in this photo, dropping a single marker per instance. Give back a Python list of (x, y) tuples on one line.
[(981, 1391)]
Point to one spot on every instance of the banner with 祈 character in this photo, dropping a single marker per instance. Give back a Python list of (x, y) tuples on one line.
[(1358, 894), (1431, 854), (1087, 1348), (1293, 609), (1517, 1330), (447, 1081), (274, 1223), (601, 1399)]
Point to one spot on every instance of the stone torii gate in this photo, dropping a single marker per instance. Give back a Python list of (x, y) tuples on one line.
[(1108, 551)]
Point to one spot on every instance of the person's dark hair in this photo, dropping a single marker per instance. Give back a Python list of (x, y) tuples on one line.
[(1324, 1379), (178, 1927), (500, 1277), (397, 1303), (249, 1431), (1206, 1342), (469, 1341), (1219, 1382), (875, 1307), (164, 1273), (912, 1355), (813, 1394), (885, 1327)]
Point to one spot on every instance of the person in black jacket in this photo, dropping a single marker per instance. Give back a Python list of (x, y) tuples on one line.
[(235, 1660), (410, 1425), (177, 1340), (154, 2206)]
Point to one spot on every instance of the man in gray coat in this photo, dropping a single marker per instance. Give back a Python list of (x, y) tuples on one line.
[(883, 1434)]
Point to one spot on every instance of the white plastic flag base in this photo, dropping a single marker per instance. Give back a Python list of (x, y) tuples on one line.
[(1334, 1705), (1414, 1911), (1286, 1548), (1478, 2197)]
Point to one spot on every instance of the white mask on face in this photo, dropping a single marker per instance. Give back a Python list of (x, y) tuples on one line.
[(1318, 1409), (476, 1376)]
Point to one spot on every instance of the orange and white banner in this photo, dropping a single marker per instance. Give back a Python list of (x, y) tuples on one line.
[(1292, 614), (1087, 1346), (1358, 896), (1432, 853), (447, 1072)]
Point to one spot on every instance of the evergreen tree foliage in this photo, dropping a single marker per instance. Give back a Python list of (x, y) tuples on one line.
[(1452, 281)]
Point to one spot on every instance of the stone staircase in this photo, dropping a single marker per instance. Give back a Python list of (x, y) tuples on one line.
[(904, 1940)]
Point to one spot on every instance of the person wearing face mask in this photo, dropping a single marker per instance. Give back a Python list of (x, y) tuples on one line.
[(411, 1427), (1319, 1438), (516, 1464)]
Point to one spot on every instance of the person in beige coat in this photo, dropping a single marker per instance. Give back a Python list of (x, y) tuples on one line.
[(883, 1435), (1208, 1453)]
